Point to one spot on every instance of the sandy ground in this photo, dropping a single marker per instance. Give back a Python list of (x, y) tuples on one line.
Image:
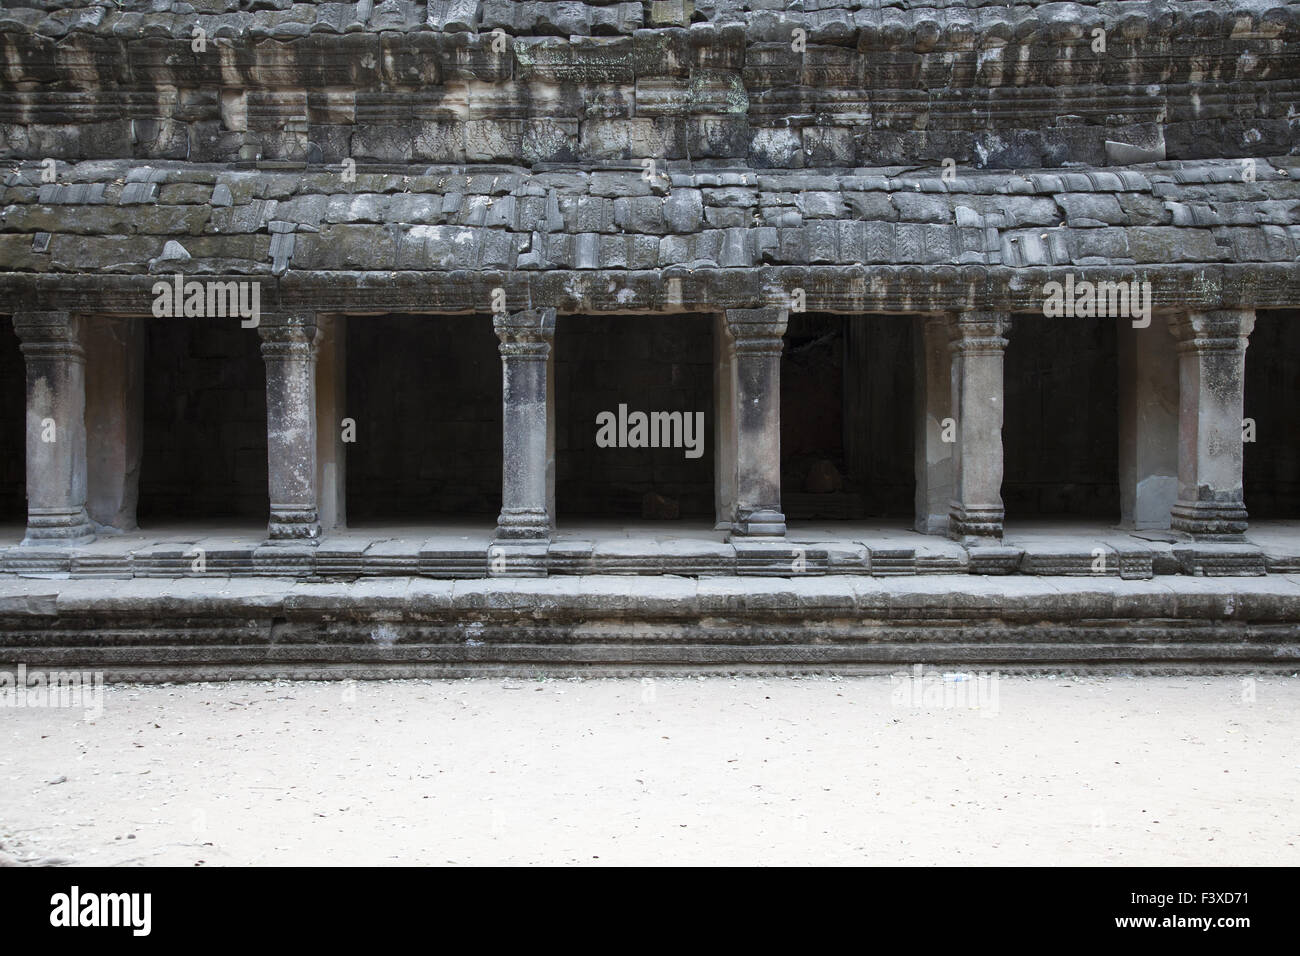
[(1104, 770)]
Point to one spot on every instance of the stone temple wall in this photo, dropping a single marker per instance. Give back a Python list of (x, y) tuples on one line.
[(989, 84), (830, 226)]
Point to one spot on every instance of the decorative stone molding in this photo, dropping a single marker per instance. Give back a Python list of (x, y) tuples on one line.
[(1211, 384), (56, 428), (528, 437), (977, 342), (289, 344)]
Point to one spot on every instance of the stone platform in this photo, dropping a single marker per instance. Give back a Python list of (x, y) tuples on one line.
[(221, 628), (466, 550), (609, 599)]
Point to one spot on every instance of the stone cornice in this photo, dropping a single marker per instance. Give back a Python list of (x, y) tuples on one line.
[(849, 289)]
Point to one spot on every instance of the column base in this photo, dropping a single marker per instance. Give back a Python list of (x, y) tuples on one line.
[(759, 524), (972, 524), (293, 526), (524, 524), (47, 528), (1209, 520)]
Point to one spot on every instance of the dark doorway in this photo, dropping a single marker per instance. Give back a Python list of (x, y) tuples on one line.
[(647, 364), (846, 417), (1060, 431), (204, 452), (13, 428), (425, 394), (1271, 467)]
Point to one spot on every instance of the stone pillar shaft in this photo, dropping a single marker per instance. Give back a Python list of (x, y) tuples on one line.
[(56, 428), (756, 344), (1211, 388), (978, 344), (528, 458), (289, 344)]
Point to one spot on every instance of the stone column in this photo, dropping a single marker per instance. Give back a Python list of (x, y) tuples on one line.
[(1148, 425), (977, 343), (56, 428), (289, 343), (528, 450), (331, 409), (114, 419), (756, 374), (724, 431), (1211, 386), (933, 459)]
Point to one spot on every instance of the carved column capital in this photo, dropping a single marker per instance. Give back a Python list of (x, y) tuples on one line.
[(758, 330), (50, 335), (528, 334), (1220, 331), (974, 333), (289, 336)]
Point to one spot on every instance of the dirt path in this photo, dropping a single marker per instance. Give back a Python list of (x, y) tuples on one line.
[(749, 771)]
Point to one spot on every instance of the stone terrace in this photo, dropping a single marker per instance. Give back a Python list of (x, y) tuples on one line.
[(870, 199)]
